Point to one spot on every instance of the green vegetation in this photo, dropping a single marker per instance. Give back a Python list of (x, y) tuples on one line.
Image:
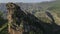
[(3, 24)]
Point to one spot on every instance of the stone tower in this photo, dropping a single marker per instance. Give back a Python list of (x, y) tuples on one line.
[(15, 23)]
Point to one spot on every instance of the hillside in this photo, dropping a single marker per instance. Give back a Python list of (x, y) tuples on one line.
[(38, 9)]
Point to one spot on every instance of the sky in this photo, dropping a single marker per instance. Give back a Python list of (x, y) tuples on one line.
[(24, 1)]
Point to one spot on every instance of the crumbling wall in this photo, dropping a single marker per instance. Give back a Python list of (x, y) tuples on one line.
[(13, 17)]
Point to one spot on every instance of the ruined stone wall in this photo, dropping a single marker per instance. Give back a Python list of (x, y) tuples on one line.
[(14, 19)]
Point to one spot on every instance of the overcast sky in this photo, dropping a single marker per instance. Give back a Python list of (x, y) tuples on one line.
[(25, 1)]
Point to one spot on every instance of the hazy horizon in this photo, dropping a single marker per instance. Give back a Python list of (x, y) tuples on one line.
[(24, 1)]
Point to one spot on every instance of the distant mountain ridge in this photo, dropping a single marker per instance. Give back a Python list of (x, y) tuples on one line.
[(27, 6)]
